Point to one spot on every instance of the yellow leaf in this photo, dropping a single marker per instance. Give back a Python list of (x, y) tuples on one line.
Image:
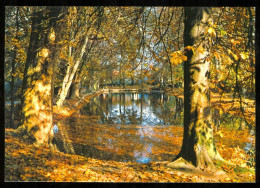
[(216, 55), (235, 57), (200, 49), (44, 52), (184, 58), (52, 35), (244, 55), (235, 42), (189, 48), (212, 31), (179, 60), (220, 134), (172, 60), (174, 54), (177, 57)]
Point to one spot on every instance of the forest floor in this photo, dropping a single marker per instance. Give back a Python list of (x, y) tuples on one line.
[(26, 162)]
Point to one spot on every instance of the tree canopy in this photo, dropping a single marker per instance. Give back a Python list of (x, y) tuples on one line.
[(53, 53)]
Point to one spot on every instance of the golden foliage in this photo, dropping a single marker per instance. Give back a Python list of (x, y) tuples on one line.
[(44, 52), (211, 31), (177, 57)]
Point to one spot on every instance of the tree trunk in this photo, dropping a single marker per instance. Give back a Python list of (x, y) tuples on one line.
[(75, 89), (71, 70), (96, 85), (75, 86), (12, 92), (198, 143), (37, 96), (31, 53), (132, 81), (13, 72)]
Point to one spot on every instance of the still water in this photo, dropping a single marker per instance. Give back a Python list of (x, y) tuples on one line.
[(137, 127), (135, 109)]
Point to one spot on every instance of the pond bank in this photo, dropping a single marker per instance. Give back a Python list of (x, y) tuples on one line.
[(26, 162), (71, 105), (131, 90)]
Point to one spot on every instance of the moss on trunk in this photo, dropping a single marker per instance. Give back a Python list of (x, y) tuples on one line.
[(198, 142)]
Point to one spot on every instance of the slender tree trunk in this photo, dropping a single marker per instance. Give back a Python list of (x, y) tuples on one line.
[(171, 75), (198, 143), (75, 89), (123, 81), (13, 72), (132, 81), (77, 58), (96, 85), (37, 97), (12, 92), (75, 86)]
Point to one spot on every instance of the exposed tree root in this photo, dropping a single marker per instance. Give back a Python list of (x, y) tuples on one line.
[(183, 165)]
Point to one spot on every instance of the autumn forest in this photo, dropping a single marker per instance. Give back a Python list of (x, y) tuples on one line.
[(129, 94)]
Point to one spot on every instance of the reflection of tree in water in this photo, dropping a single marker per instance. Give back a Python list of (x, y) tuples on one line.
[(135, 109), (167, 108), (93, 133), (82, 134)]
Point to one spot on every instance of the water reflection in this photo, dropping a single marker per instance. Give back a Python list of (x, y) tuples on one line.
[(135, 109), (124, 127), (129, 127)]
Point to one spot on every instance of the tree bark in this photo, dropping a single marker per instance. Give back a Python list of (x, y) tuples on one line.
[(198, 143), (37, 118), (31, 53), (71, 70), (75, 88), (13, 72)]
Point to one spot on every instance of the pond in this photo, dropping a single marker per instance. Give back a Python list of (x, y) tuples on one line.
[(136, 127), (135, 109)]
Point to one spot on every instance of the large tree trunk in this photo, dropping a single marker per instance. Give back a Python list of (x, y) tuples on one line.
[(31, 54), (37, 96), (198, 143)]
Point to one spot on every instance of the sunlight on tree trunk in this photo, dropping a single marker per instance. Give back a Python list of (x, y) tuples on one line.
[(198, 143), (77, 57), (75, 86), (37, 101)]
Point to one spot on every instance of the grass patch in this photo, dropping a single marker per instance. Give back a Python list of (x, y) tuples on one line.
[(239, 169)]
